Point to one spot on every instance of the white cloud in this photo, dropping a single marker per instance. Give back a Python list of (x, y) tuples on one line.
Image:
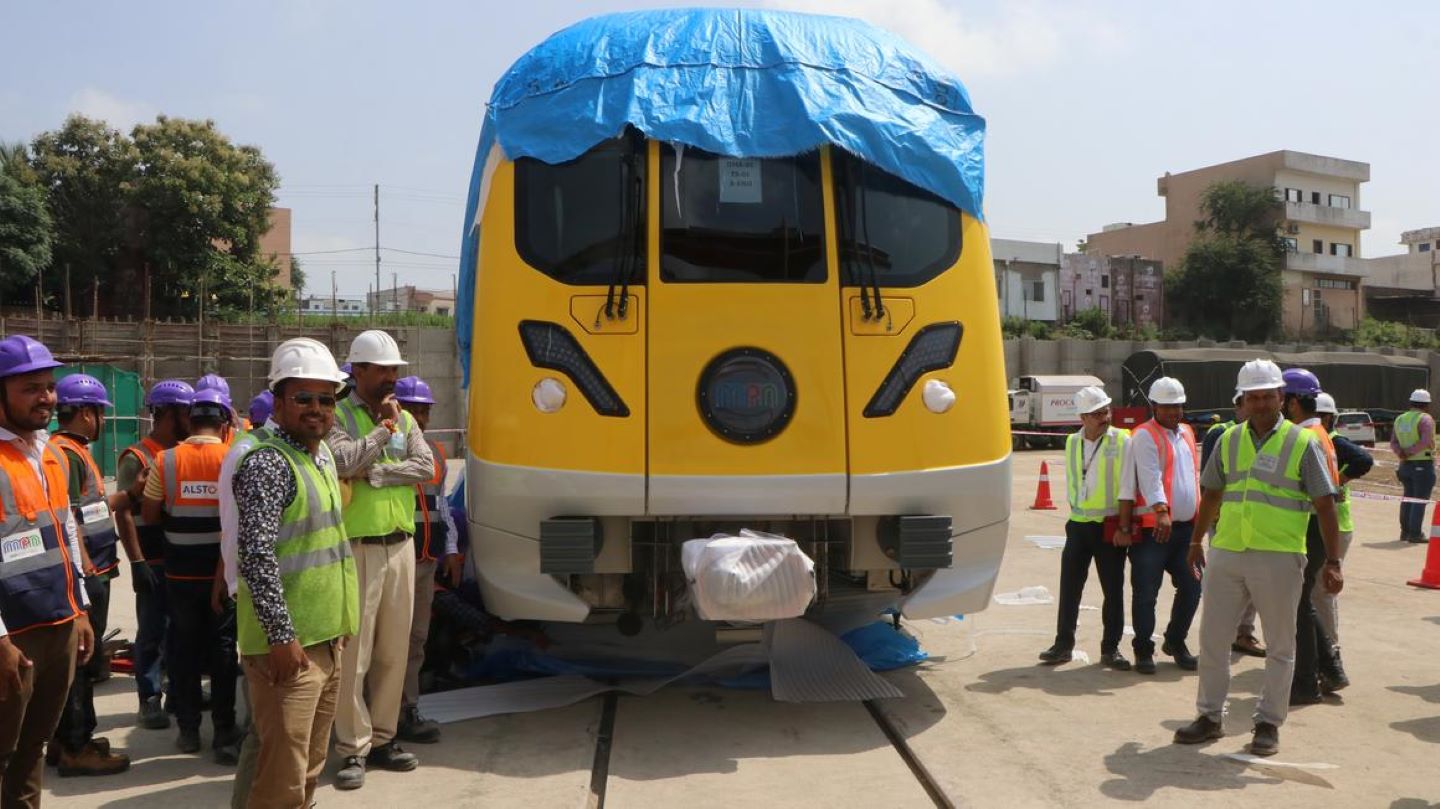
[(119, 113), (1017, 38)]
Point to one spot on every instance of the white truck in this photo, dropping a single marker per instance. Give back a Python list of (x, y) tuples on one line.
[(1045, 404)]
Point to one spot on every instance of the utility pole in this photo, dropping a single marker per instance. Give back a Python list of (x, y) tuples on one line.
[(375, 304), (395, 291), (334, 304)]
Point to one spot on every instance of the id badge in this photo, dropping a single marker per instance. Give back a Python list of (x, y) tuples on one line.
[(1267, 463), (95, 512), (397, 442)]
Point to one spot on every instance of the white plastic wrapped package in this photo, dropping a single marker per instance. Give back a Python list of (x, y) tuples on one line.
[(751, 577)]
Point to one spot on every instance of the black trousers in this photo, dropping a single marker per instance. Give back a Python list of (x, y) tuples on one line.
[(1149, 562), (77, 722), (1313, 649), (201, 641), (1083, 543)]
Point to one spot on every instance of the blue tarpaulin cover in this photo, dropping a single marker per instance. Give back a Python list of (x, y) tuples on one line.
[(743, 83)]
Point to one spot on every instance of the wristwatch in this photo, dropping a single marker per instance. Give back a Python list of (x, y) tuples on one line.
[(1332, 562)]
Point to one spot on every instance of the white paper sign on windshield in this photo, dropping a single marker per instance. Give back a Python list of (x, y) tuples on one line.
[(740, 181)]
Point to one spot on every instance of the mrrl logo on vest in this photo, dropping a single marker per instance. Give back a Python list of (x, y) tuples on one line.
[(21, 546), (200, 489)]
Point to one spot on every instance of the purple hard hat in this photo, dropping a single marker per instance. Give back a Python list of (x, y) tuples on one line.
[(81, 390), (22, 355), (1300, 382), (413, 390), (347, 370), (214, 382), (261, 407), (170, 393)]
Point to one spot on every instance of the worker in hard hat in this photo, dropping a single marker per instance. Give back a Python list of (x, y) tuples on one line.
[(1246, 641), (169, 403), (183, 497), (297, 599), (1159, 492), (1093, 455), (381, 450), (435, 544), (44, 628), (82, 401), (1413, 442), (1264, 479), (260, 408), (1353, 462)]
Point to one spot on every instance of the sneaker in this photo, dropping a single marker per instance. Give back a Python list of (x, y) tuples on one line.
[(416, 728), (1145, 664), (1055, 655), (1114, 660), (152, 715), (391, 757), (1182, 655), (1248, 644), (351, 774), (1203, 729), (92, 759), (1266, 741), (188, 741)]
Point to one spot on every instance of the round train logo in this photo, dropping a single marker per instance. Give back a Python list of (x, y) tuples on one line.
[(746, 395)]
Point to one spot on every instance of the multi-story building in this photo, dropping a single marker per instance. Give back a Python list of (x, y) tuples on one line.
[(1322, 224), (337, 306), (1406, 287), (1027, 278), (410, 299), (1129, 290)]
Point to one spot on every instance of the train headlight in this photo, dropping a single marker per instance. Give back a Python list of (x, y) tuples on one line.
[(548, 395), (938, 396)]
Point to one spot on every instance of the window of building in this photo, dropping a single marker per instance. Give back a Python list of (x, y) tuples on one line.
[(1424, 247), (1292, 245), (1104, 282), (1105, 304), (583, 222), (1338, 249), (1293, 195), (727, 220), (912, 235), (1315, 197), (1318, 245), (1339, 201), (1330, 283), (1035, 291)]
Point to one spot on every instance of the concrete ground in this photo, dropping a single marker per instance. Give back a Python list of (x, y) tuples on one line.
[(993, 728)]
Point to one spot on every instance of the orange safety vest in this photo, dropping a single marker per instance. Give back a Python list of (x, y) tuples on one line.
[(152, 538), (1161, 438), (429, 499), (91, 509), (190, 474), (1328, 445), (39, 585)]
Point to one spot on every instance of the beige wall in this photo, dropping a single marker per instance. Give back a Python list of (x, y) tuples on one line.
[(275, 244)]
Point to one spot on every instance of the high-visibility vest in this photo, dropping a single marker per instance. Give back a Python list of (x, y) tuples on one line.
[(1161, 437), (39, 585), (317, 570), (92, 511), (152, 537), (1407, 433), (1342, 503), (1220, 427), (191, 474), (1104, 500), (429, 520), (376, 512), (1264, 507)]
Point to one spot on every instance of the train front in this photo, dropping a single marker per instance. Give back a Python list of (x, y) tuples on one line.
[(717, 307)]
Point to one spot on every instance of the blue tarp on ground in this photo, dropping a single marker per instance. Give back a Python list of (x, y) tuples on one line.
[(744, 83)]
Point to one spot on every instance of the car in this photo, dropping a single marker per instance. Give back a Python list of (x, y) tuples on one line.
[(1356, 426)]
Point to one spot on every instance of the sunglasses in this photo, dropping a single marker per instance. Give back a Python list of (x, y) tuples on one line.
[(325, 400)]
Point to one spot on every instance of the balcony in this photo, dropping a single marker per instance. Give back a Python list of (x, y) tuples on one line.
[(1327, 265), (1326, 215)]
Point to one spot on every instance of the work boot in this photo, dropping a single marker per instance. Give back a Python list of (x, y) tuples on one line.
[(1114, 660), (92, 760), (1181, 653), (226, 745), (1203, 729), (416, 728), (1266, 741), (391, 757), (1332, 675), (1055, 655), (1248, 644), (152, 715), (351, 774), (1145, 664), (188, 741)]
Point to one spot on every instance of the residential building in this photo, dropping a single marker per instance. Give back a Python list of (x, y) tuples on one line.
[(275, 244), (1406, 287), (1027, 278), (410, 299), (1128, 289), (338, 306), (1322, 223)]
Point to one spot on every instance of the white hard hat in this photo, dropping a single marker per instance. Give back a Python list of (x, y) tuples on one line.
[(1167, 390), (1421, 396), (1259, 375), (1325, 403), (303, 358), (376, 348), (1090, 398)]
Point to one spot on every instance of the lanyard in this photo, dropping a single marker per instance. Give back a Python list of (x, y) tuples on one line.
[(1085, 462)]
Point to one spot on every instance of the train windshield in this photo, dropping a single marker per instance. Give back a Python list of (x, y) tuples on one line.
[(902, 234), (740, 220)]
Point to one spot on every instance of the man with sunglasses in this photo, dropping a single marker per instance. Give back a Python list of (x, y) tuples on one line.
[(380, 449)]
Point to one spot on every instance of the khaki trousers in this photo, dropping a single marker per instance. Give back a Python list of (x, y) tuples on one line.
[(372, 677), (1327, 605), (28, 719), (1272, 582), (419, 629), (292, 723)]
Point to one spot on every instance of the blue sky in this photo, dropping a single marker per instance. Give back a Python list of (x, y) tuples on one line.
[(1087, 102)]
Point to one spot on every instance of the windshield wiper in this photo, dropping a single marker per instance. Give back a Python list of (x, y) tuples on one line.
[(620, 276), (869, 248), (847, 221)]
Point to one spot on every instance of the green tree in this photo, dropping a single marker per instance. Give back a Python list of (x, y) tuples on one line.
[(1228, 283), (25, 224)]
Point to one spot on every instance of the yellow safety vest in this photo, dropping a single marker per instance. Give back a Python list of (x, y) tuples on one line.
[(1407, 432), (1264, 508), (1104, 502)]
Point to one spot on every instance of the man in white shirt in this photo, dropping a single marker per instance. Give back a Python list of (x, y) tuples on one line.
[(1160, 484)]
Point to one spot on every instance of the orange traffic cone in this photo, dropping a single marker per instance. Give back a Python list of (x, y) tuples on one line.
[(1430, 576), (1042, 490)]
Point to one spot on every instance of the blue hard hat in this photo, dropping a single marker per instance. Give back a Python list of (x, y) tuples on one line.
[(1300, 382), (413, 390), (81, 390), (22, 355)]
